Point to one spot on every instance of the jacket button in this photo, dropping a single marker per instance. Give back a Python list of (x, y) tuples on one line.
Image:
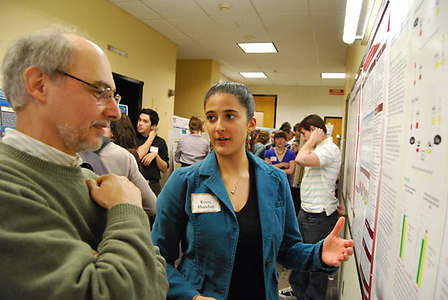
[(268, 262)]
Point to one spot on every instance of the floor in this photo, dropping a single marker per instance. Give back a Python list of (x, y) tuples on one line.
[(332, 290)]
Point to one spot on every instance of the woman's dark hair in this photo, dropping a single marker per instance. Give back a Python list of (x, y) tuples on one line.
[(236, 89), (123, 134), (279, 134)]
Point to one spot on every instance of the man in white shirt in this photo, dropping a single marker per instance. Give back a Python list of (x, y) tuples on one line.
[(318, 214)]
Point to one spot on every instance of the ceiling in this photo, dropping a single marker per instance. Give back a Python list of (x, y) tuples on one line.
[(306, 33)]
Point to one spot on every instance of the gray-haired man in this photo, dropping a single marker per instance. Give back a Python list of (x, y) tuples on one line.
[(62, 238)]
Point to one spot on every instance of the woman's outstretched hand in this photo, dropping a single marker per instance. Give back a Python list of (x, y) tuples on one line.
[(335, 249)]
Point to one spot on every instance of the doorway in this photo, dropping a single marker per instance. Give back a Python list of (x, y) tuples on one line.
[(265, 110), (131, 91), (336, 122)]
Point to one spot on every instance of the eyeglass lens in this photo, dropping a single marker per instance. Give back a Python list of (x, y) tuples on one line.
[(108, 95)]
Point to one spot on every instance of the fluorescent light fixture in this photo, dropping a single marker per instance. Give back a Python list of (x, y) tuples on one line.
[(332, 75), (253, 75), (258, 47), (352, 13)]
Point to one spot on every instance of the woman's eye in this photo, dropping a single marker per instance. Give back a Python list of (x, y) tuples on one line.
[(230, 116), (210, 118)]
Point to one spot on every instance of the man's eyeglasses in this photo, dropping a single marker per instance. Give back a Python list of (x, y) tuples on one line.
[(105, 94)]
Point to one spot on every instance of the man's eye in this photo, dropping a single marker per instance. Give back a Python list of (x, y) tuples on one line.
[(210, 118), (230, 116)]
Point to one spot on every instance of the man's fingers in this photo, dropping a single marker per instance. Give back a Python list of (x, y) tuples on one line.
[(91, 184)]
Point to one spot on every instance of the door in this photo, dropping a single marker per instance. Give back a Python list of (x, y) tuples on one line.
[(265, 110), (336, 122)]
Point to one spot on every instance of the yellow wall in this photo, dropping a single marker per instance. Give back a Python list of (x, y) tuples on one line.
[(355, 53), (296, 102), (193, 79), (151, 56)]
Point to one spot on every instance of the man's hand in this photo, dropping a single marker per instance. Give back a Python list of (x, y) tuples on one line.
[(148, 158), (109, 190), (317, 136), (335, 249), (151, 136)]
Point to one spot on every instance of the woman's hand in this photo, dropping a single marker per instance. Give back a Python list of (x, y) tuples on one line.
[(199, 297), (335, 249)]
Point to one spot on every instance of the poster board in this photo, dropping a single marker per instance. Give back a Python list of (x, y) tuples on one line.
[(396, 168)]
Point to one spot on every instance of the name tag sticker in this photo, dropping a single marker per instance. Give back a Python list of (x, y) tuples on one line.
[(154, 149), (204, 203), (273, 158)]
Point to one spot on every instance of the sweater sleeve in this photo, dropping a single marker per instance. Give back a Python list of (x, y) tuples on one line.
[(45, 255), (149, 199)]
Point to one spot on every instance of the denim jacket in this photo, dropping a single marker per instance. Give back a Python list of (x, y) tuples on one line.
[(209, 240)]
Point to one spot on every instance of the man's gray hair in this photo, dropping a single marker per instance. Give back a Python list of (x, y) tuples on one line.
[(47, 49)]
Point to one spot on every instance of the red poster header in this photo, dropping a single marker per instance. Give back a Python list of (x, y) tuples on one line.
[(336, 92)]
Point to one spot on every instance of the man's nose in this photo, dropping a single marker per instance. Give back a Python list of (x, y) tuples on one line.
[(112, 111)]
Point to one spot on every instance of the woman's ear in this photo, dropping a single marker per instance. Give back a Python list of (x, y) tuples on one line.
[(252, 125)]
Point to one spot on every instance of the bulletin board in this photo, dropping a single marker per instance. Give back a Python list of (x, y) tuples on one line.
[(395, 182)]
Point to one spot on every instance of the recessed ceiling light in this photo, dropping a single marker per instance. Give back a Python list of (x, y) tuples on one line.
[(258, 47), (332, 75), (253, 75)]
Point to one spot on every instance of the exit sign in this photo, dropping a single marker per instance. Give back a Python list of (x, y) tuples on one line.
[(336, 92)]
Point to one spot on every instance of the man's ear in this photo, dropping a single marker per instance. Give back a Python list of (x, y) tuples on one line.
[(35, 80), (153, 127), (312, 127)]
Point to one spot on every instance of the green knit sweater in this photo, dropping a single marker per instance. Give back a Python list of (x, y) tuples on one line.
[(50, 228)]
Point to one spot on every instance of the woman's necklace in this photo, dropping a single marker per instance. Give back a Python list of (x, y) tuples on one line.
[(234, 188), (278, 153)]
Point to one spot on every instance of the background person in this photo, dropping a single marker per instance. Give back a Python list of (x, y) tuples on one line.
[(152, 150), (120, 161), (66, 233), (192, 148), (123, 134), (233, 215), (318, 214), (281, 157), (261, 139)]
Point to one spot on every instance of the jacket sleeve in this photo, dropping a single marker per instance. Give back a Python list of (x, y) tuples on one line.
[(168, 231), (294, 253), (44, 256)]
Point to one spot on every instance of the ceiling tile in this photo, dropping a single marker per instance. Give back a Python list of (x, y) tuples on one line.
[(175, 8), (264, 6), (138, 10), (236, 7)]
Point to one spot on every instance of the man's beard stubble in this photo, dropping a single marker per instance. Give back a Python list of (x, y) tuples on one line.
[(76, 138)]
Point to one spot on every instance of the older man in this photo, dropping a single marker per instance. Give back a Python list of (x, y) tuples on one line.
[(64, 232)]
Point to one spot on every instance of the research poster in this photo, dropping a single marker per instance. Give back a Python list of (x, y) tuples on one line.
[(400, 171)]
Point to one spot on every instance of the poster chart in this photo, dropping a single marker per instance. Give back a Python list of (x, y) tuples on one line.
[(179, 128), (400, 173)]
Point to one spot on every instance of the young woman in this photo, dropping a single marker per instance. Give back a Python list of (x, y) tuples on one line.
[(233, 215), (280, 156)]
